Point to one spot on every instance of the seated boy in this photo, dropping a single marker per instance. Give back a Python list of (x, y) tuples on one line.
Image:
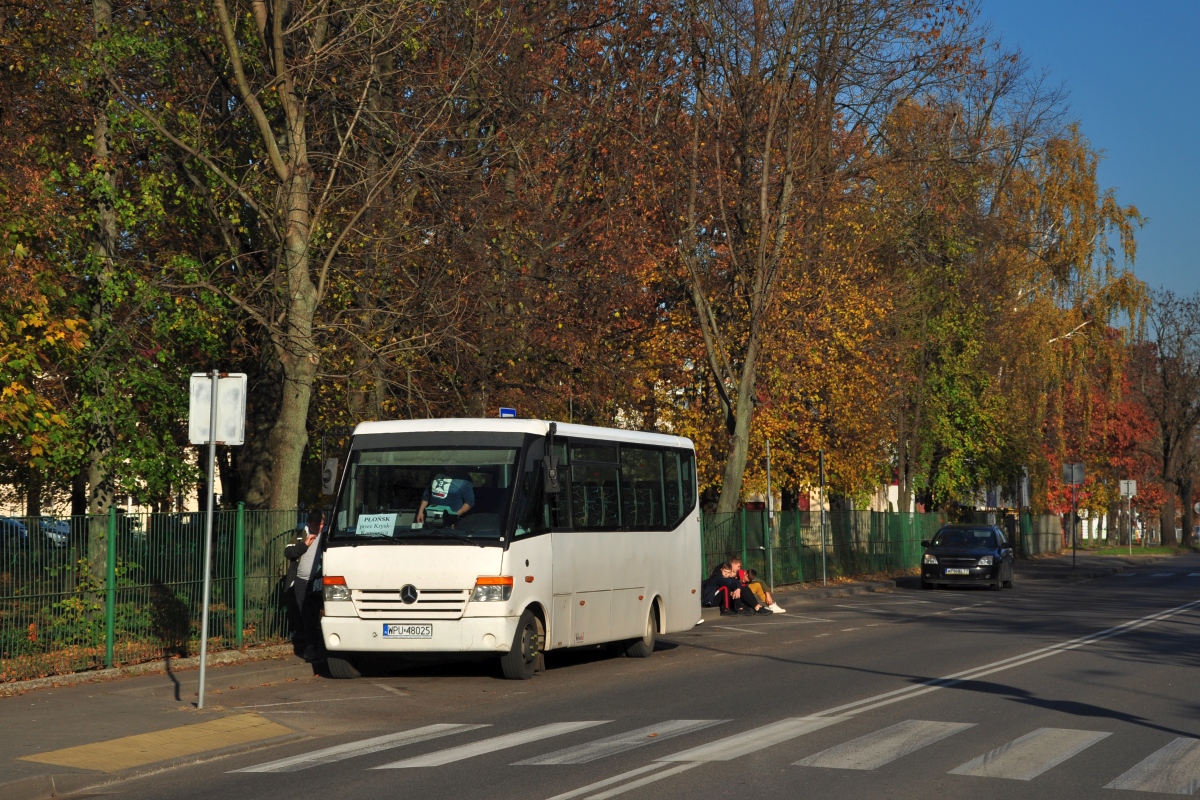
[(749, 579)]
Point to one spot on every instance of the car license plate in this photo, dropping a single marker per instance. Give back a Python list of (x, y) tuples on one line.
[(957, 571), (407, 631)]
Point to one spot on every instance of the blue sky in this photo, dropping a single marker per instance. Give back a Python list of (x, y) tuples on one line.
[(1132, 69)]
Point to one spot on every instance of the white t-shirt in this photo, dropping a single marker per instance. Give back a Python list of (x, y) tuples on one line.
[(304, 567)]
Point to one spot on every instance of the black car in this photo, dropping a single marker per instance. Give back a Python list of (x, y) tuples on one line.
[(967, 555)]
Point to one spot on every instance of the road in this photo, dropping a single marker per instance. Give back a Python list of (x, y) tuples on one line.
[(1050, 690)]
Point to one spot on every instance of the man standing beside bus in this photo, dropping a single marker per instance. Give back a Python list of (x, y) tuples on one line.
[(304, 553)]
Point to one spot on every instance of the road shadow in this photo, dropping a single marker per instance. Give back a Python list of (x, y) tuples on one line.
[(1071, 707)]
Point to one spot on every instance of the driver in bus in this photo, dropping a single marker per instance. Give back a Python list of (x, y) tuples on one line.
[(452, 492)]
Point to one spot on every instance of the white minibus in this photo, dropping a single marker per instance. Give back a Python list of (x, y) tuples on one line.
[(510, 537)]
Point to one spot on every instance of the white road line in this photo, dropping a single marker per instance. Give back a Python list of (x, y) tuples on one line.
[(361, 748), (1163, 575), (1025, 758), (622, 742), (317, 700), (666, 773), (1194, 574), (1126, 574), (504, 742), (739, 630), (884, 746), (932, 685), (745, 742), (392, 689), (741, 744), (606, 782), (1174, 769)]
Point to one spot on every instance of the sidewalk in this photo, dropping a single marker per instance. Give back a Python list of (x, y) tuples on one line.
[(70, 738), (1086, 565)]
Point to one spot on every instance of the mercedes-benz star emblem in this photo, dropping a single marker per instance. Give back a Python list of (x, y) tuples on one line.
[(408, 594)]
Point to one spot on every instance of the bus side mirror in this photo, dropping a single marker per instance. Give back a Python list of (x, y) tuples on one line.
[(550, 473)]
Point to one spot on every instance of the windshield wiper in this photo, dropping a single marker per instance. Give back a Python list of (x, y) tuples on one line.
[(444, 532), (359, 538)]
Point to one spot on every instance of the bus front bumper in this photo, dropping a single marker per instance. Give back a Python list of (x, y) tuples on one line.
[(464, 635)]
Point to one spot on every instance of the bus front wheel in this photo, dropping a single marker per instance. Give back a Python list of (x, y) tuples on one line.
[(342, 668), (523, 658)]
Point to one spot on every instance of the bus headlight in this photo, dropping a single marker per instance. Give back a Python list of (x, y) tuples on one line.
[(491, 589), (335, 589)]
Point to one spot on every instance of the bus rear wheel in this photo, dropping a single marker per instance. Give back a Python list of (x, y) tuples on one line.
[(644, 647), (525, 655)]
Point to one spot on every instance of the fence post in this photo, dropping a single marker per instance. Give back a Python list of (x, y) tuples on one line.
[(110, 588), (745, 565), (799, 545), (239, 574)]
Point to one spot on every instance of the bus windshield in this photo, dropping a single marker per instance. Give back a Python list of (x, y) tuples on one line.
[(451, 493)]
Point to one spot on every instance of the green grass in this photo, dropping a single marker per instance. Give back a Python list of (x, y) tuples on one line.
[(1124, 551)]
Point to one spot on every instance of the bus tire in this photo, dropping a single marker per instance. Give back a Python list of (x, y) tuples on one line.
[(342, 668), (523, 658), (644, 647)]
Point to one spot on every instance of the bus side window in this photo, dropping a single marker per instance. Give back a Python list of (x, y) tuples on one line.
[(641, 488)]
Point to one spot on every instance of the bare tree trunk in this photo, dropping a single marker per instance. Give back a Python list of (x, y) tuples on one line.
[(1166, 521), (1186, 498), (104, 252)]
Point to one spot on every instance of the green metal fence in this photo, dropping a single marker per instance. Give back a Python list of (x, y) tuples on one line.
[(79, 593), (86, 592), (787, 549)]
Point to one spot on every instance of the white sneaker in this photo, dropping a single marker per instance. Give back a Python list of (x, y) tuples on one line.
[(775, 607)]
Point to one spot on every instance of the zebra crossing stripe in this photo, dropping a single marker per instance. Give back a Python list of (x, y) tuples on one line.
[(640, 782), (465, 751), (884, 746), (622, 742), (361, 748), (1174, 769), (1025, 758), (609, 781), (1194, 574), (1163, 575), (752, 741)]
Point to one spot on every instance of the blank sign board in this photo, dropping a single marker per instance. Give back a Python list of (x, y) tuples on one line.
[(231, 408)]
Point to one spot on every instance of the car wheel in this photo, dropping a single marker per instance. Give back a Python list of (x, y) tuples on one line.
[(342, 668), (644, 647), (522, 660)]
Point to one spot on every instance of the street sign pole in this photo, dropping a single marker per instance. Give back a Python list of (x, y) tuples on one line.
[(770, 551), (821, 476), (208, 534), (1073, 476), (223, 421)]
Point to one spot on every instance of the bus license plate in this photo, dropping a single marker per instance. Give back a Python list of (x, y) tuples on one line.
[(407, 631), (958, 571)]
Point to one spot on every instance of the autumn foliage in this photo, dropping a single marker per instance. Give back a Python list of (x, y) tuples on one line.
[(853, 227)]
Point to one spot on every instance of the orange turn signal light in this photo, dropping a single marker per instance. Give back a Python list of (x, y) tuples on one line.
[(492, 580), (333, 580)]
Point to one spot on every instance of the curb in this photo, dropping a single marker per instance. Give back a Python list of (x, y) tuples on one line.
[(175, 664), (43, 787), (787, 595)]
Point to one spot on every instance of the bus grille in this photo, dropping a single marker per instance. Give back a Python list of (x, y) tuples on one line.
[(431, 604)]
